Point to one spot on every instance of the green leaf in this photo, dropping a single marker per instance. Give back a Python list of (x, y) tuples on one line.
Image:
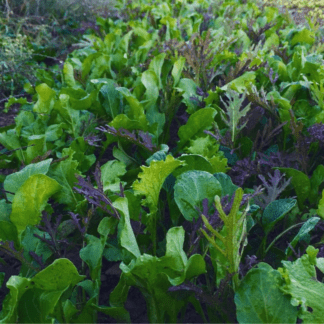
[(259, 299), (136, 111), (64, 173), (156, 65), (320, 210), (177, 70), (303, 287), (191, 188), (10, 141), (315, 181), (35, 306), (151, 83), (152, 179), (15, 180), (153, 275), (29, 242), (57, 276), (110, 175), (303, 232), (70, 116), (118, 313), (239, 84), (234, 113), (45, 102), (8, 232), (36, 147), (208, 148), (301, 184), (189, 89), (194, 162), (196, 123), (18, 286), (303, 36), (93, 251), (68, 74), (125, 231), (30, 200), (110, 98), (234, 234), (13, 100), (275, 211), (80, 147)]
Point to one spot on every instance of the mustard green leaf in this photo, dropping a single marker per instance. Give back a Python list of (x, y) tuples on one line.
[(93, 251), (110, 175), (127, 237), (260, 300), (195, 266), (15, 180), (320, 210), (30, 200), (275, 211), (57, 276), (110, 98), (18, 286), (303, 36), (13, 100), (10, 140), (191, 188), (177, 70), (64, 173), (151, 84), (136, 110), (35, 306), (194, 162), (70, 116), (36, 147), (84, 103), (5, 210), (154, 275), (174, 247), (189, 89), (102, 65), (120, 314), (302, 233), (156, 66), (273, 39), (68, 73), (8, 232), (196, 123), (208, 148), (239, 84), (152, 179), (45, 102), (315, 181), (87, 63)]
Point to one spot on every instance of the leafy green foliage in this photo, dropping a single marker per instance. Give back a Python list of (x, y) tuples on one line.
[(132, 109)]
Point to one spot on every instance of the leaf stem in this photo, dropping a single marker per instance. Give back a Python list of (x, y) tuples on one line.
[(278, 237)]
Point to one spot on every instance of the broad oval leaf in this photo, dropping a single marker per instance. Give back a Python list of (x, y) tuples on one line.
[(57, 276), (15, 180), (275, 211), (30, 200), (191, 188), (259, 299)]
